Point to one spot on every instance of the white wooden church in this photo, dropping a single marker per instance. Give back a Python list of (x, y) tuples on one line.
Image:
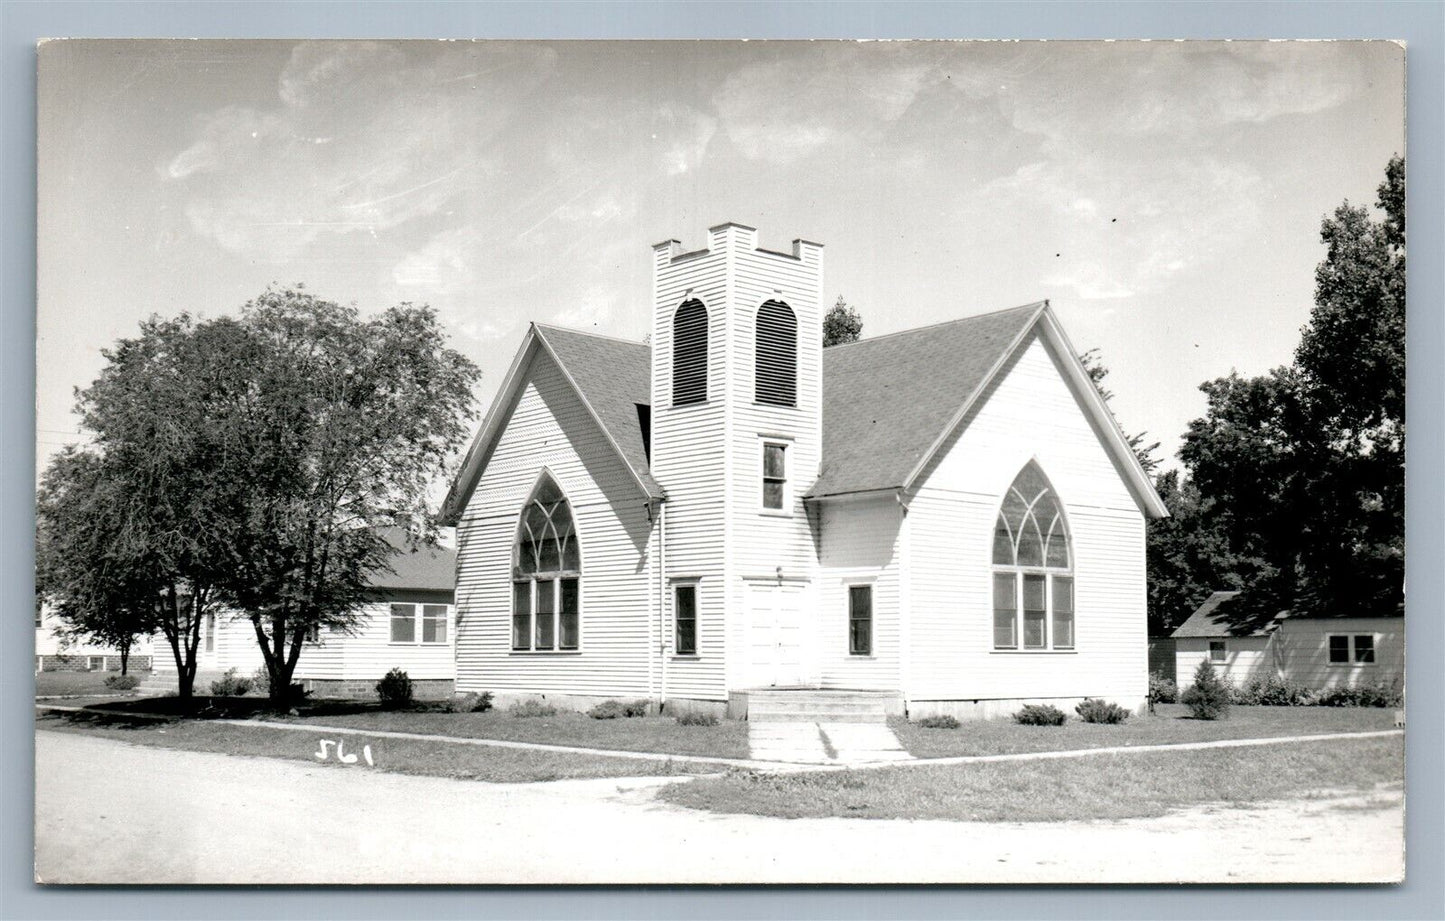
[(948, 517)]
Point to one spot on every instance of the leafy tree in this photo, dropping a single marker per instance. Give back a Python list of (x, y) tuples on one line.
[(1301, 471), (132, 528), (1188, 555), (1094, 364), (341, 427), (1208, 697), (841, 324)]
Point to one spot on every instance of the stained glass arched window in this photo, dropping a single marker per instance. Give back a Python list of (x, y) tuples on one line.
[(1033, 582), (546, 568)]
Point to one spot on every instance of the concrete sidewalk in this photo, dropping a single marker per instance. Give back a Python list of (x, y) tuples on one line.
[(825, 764)]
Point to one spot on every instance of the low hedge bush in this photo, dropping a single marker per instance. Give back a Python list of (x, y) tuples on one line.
[(696, 718), (230, 684), (1162, 690), (1040, 715), (528, 709), (1271, 691), (938, 721), (470, 702), (1378, 694), (122, 682), (608, 710), (1093, 710)]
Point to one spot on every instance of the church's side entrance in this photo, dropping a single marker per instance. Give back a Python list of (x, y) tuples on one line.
[(775, 634)]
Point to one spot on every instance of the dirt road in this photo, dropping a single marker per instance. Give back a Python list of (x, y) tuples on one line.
[(110, 812)]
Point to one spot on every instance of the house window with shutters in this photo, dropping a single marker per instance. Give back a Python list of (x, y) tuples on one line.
[(547, 566), (689, 354), (1033, 579), (777, 355)]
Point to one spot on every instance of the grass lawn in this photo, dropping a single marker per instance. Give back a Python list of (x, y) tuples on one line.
[(403, 756), (728, 739), (1112, 786), (57, 684), (1171, 724), (661, 734)]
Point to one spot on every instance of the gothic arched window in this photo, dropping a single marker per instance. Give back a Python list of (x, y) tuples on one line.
[(546, 567), (1033, 582)]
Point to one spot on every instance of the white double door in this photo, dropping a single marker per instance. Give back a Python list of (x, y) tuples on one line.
[(777, 634)]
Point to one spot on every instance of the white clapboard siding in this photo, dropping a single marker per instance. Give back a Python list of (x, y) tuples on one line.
[(861, 545), (549, 428), (367, 653), (1029, 412), (1245, 657), (1303, 651)]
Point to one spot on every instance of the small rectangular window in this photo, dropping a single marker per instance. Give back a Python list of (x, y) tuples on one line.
[(775, 476), (1035, 610), (521, 615), (403, 623), (210, 633), (1365, 648), (1339, 650), (434, 623), (1217, 652), (1005, 610), (568, 617), (860, 620), (685, 620), (1063, 612), (546, 621)]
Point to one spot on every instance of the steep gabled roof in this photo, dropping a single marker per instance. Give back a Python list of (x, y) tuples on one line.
[(888, 400), (427, 567), (614, 377), (611, 378), (1225, 614)]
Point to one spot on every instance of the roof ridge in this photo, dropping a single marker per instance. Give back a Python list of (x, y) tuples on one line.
[(583, 332), (914, 329)]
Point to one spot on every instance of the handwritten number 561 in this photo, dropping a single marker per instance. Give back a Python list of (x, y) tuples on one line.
[(341, 754)]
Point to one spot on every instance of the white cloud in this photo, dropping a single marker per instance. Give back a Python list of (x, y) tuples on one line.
[(363, 137)]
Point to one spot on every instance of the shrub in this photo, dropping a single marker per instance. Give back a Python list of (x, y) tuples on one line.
[(1161, 690), (1270, 691), (394, 689), (527, 709), (261, 680), (1040, 715), (1208, 697), (608, 710), (1093, 710), (637, 708), (938, 721), (122, 682), (696, 718), (469, 702), (230, 684), (1378, 694)]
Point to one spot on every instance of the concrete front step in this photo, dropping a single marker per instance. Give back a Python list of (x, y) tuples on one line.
[(807, 716)]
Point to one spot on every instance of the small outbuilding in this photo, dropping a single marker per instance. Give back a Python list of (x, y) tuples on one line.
[(1233, 638)]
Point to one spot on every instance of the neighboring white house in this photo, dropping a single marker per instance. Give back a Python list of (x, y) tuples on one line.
[(1315, 651), (410, 625), (947, 516), (53, 653)]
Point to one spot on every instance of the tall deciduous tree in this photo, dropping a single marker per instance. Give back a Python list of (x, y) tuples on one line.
[(343, 425), (1093, 363), (133, 529), (841, 324)]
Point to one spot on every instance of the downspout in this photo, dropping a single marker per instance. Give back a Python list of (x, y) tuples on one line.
[(651, 652), (662, 601)]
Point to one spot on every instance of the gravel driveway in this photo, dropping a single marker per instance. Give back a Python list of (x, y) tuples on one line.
[(111, 812)]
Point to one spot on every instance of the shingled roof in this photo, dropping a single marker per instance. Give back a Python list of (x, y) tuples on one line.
[(614, 376), (429, 568), (887, 400), (1225, 614)]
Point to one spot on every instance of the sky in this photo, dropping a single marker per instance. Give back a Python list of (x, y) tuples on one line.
[(1165, 197)]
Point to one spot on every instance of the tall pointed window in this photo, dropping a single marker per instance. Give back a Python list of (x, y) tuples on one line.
[(547, 563), (689, 354), (1033, 581), (777, 355)]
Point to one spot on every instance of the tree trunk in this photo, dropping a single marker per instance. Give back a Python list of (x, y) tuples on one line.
[(124, 647)]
